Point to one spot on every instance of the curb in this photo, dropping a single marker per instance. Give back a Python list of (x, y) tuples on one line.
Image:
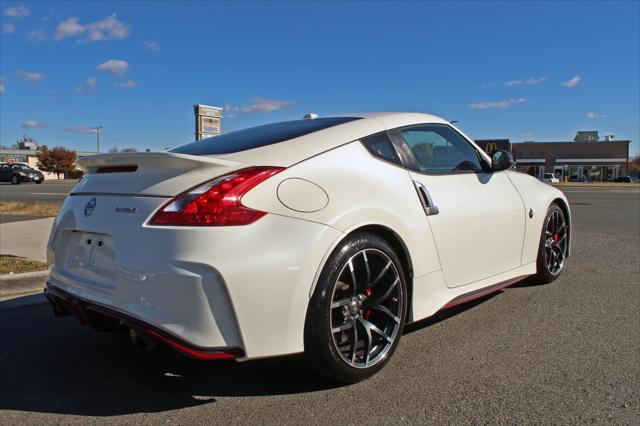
[(28, 282)]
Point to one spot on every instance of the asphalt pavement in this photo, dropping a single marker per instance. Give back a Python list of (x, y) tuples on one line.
[(568, 352), (50, 192)]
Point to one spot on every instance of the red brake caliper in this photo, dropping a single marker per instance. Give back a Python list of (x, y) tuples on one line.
[(367, 312)]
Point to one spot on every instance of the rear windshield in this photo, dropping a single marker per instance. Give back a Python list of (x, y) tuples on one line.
[(255, 137)]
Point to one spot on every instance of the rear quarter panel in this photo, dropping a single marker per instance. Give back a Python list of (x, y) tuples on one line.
[(361, 190)]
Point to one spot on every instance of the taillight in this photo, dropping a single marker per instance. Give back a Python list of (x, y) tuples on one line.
[(217, 202)]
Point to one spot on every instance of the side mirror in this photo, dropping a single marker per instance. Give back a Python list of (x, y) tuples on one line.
[(501, 160)]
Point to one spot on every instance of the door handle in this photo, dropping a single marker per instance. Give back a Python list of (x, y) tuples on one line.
[(430, 208)]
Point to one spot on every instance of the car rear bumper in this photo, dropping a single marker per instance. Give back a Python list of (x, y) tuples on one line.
[(102, 317), (242, 287)]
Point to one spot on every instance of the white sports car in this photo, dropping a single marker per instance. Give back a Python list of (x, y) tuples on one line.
[(322, 235)]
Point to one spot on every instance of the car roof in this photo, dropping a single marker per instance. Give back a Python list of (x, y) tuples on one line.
[(294, 150)]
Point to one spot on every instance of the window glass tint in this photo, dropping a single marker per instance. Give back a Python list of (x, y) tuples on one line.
[(255, 137), (379, 145), (438, 148)]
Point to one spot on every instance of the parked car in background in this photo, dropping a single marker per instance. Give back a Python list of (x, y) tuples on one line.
[(626, 179), (18, 172), (550, 178)]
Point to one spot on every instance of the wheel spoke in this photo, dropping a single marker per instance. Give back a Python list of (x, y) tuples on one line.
[(353, 277), (367, 350), (386, 310), (381, 274), (372, 327), (379, 299), (342, 302), (354, 344), (343, 327), (367, 268)]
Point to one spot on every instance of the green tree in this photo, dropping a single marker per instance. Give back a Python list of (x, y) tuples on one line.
[(56, 160)]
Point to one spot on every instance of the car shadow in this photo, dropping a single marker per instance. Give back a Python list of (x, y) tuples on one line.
[(55, 365)]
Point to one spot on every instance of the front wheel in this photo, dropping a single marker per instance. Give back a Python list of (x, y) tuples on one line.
[(356, 314), (554, 244)]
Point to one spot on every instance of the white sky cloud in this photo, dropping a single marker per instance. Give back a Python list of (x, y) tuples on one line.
[(82, 129), (528, 81), (88, 87), (8, 28), (68, 28), (594, 116), (109, 28), (114, 66), (260, 105), (35, 35), (17, 12), (573, 82), (503, 104), (129, 84), (34, 124), (152, 46), (30, 76), (534, 80), (2, 88)]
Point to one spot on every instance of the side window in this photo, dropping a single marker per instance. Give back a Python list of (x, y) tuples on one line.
[(438, 148), (379, 145)]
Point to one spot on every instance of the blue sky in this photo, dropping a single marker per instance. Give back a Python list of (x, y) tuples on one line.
[(524, 71)]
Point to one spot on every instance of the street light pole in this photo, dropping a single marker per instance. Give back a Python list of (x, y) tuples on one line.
[(97, 129)]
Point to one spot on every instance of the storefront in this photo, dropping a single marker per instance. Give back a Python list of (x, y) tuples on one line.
[(588, 159)]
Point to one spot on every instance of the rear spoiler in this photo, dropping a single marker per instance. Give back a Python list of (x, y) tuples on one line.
[(149, 161), (160, 174)]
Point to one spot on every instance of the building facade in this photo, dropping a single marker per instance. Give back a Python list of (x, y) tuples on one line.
[(585, 158)]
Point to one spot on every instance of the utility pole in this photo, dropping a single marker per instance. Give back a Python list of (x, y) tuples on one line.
[(97, 129)]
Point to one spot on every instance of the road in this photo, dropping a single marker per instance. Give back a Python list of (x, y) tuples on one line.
[(568, 352), (51, 192)]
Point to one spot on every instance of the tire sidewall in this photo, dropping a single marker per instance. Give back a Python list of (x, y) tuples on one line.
[(544, 274), (318, 337)]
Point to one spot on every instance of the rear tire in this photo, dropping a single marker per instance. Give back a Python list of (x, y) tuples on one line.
[(554, 244), (357, 312), (15, 180)]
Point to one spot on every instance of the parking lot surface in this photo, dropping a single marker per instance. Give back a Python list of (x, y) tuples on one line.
[(568, 352), (50, 192)]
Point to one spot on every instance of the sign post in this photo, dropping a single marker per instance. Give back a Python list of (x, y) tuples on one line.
[(207, 121)]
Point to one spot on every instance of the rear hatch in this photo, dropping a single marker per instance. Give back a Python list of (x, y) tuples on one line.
[(101, 230)]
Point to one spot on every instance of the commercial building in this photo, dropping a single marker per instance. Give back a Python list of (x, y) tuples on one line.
[(585, 158)]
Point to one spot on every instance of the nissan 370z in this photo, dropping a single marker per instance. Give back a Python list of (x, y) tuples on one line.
[(323, 235)]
